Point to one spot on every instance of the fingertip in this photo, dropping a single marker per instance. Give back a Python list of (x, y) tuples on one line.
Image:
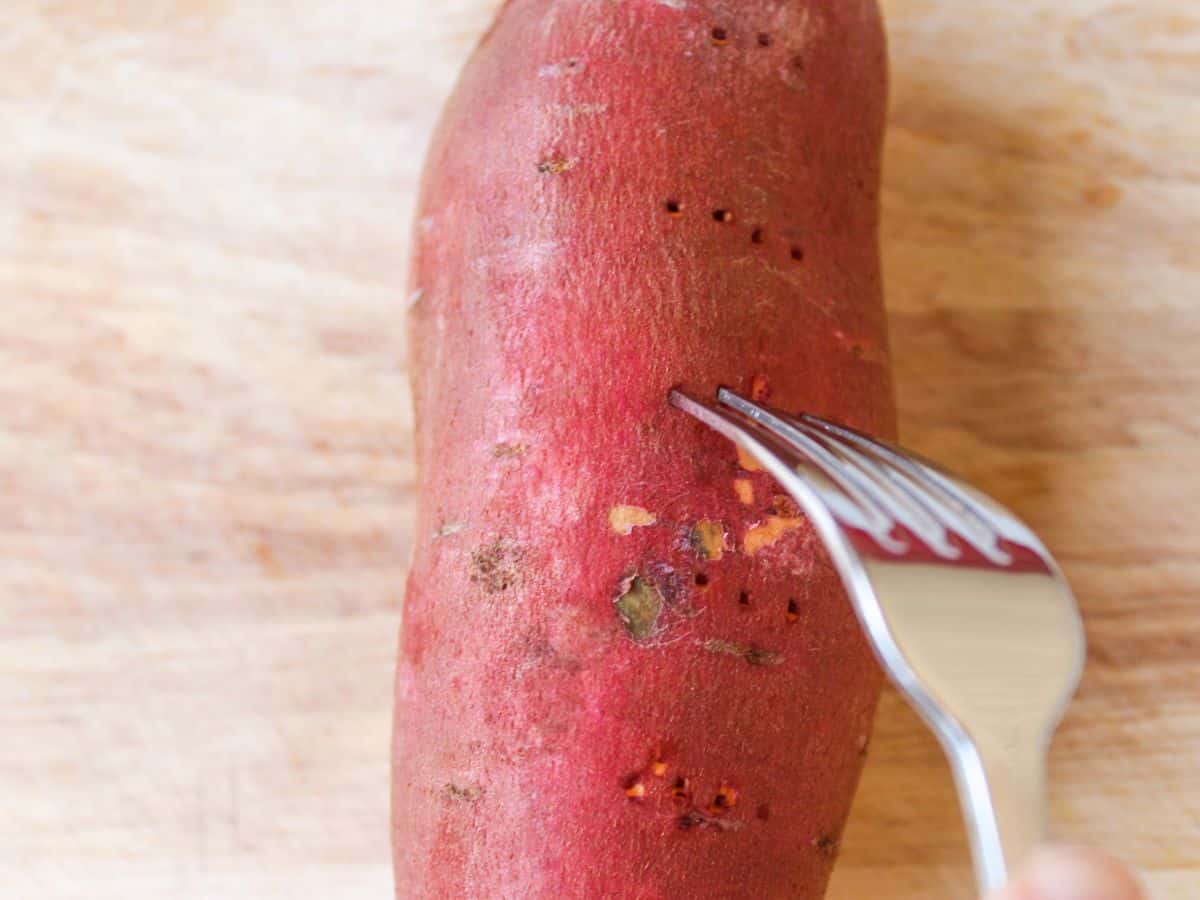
[(1073, 873)]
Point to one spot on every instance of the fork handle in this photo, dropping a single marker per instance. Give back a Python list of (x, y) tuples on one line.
[(1002, 787)]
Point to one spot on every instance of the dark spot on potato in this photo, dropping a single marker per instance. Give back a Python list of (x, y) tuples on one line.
[(726, 798), (639, 604), (763, 813), (797, 253), (722, 215), (674, 208), (505, 450), (701, 580), (793, 610), (468, 793), (744, 598), (555, 165), (757, 236), (757, 657), (497, 566), (720, 37), (827, 845), (764, 39)]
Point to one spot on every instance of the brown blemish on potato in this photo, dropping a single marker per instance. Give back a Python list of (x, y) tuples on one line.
[(505, 450), (744, 488), (624, 519), (747, 462), (755, 656), (793, 610), (768, 532), (467, 793), (497, 566), (707, 539), (556, 165), (639, 604), (827, 845), (760, 388), (679, 789)]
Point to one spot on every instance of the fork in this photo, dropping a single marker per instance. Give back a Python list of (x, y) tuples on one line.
[(966, 610)]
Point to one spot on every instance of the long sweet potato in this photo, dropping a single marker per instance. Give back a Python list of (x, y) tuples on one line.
[(626, 668)]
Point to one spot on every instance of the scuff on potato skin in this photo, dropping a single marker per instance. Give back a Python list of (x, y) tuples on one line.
[(624, 518), (707, 539), (496, 566), (767, 532), (755, 656), (639, 605)]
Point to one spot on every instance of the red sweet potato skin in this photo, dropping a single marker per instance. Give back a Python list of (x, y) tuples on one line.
[(622, 198)]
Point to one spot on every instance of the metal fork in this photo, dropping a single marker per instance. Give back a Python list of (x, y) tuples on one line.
[(967, 611)]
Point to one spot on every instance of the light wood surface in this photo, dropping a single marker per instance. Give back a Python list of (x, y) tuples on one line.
[(204, 426)]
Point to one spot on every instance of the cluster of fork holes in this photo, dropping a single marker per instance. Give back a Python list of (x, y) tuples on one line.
[(725, 798), (720, 36), (724, 216), (793, 606)]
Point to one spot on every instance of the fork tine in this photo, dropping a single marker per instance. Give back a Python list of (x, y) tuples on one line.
[(918, 513), (946, 510), (847, 464), (982, 520), (787, 463), (863, 490)]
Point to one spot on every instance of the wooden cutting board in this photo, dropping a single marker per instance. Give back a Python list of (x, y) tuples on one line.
[(204, 426)]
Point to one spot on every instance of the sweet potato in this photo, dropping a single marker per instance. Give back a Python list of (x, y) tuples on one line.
[(626, 667)]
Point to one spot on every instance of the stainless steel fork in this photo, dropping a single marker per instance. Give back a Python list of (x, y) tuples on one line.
[(966, 609)]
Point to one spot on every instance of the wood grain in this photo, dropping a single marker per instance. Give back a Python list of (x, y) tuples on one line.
[(204, 427)]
